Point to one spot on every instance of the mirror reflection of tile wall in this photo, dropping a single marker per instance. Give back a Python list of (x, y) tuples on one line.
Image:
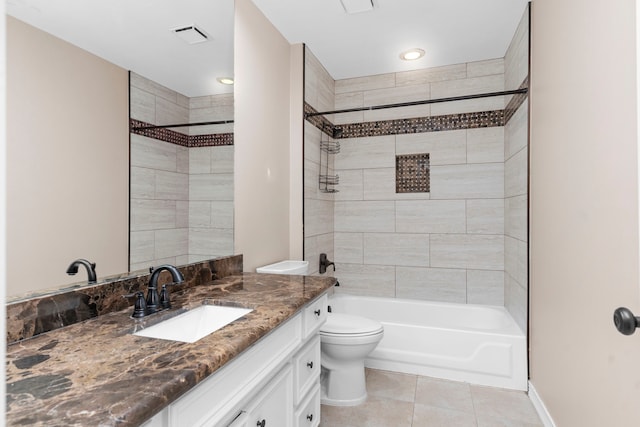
[(181, 177)]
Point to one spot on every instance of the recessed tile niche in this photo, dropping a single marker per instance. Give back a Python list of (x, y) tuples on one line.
[(412, 173)]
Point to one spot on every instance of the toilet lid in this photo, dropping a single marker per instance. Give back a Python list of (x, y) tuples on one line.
[(347, 324)]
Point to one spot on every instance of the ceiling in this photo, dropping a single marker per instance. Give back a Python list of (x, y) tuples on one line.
[(369, 43), (135, 34)]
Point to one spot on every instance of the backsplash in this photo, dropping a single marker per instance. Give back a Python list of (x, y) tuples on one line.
[(33, 316)]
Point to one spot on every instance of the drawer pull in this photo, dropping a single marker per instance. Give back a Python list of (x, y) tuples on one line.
[(310, 417), (317, 313), (262, 423), (310, 365)]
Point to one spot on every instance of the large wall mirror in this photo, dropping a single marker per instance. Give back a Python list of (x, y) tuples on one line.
[(166, 195)]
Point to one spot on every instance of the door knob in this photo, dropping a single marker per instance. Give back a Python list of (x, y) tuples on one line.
[(626, 323)]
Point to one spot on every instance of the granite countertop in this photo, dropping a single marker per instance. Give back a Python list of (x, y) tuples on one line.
[(96, 373)]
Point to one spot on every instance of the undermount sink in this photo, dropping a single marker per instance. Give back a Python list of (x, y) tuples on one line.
[(194, 324)]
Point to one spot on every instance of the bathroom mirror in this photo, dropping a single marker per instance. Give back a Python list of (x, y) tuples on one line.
[(138, 36)]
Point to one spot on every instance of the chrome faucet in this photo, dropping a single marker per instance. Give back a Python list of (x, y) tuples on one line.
[(90, 266), (154, 302)]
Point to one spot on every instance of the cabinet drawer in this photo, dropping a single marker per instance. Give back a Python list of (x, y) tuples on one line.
[(315, 315), (308, 415), (306, 365)]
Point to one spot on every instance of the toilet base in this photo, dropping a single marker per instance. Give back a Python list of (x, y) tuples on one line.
[(335, 402), (345, 387)]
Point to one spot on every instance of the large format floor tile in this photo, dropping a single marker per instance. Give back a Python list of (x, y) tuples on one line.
[(402, 400)]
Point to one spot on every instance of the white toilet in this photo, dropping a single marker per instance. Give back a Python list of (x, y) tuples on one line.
[(345, 341)]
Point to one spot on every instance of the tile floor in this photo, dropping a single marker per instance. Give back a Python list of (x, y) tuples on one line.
[(401, 400)]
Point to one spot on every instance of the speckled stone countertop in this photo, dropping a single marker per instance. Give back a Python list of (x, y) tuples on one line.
[(96, 373)]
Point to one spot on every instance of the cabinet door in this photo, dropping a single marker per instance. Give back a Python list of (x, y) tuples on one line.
[(273, 406)]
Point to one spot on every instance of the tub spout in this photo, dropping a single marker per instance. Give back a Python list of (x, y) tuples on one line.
[(324, 263)]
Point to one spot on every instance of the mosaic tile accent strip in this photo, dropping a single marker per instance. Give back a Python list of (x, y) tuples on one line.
[(211, 140), (480, 119), (179, 138), (320, 122), (166, 135), (412, 173), (516, 101)]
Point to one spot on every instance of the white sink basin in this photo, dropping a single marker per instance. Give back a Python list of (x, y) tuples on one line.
[(194, 324)]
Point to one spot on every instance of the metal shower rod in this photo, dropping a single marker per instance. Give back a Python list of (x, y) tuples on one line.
[(426, 101), (181, 125)]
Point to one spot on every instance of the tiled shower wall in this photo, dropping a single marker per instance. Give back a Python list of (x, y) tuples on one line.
[(210, 181), (181, 196), (464, 241), (318, 206), (516, 238), (445, 245)]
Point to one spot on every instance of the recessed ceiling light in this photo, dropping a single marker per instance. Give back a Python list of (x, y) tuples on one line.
[(412, 54), (225, 80)]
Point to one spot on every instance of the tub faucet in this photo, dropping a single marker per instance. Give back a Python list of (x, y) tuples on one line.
[(153, 298), (324, 263), (90, 266)]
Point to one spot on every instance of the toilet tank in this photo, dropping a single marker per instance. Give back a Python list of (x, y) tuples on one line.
[(285, 267)]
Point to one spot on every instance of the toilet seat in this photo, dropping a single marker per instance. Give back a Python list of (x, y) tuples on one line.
[(347, 325)]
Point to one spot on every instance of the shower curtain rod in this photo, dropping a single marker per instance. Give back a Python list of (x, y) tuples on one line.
[(427, 101), (221, 122)]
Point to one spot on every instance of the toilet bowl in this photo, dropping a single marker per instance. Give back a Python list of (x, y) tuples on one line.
[(345, 341)]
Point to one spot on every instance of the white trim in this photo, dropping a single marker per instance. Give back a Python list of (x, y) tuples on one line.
[(538, 404)]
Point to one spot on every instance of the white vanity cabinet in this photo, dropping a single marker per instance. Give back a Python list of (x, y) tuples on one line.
[(306, 366), (276, 380)]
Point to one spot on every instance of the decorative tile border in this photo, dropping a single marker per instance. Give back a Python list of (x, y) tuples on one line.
[(516, 101), (179, 138), (211, 140), (162, 134), (320, 122), (422, 124), (481, 119), (412, 173)]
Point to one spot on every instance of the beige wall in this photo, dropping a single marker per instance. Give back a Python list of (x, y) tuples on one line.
[(262, 139), (584, 217), (67, 161)]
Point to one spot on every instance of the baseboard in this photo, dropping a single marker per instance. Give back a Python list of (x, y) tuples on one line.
[(538, 404)]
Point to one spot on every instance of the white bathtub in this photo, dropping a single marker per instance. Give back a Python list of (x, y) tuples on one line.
[(462, 342)]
